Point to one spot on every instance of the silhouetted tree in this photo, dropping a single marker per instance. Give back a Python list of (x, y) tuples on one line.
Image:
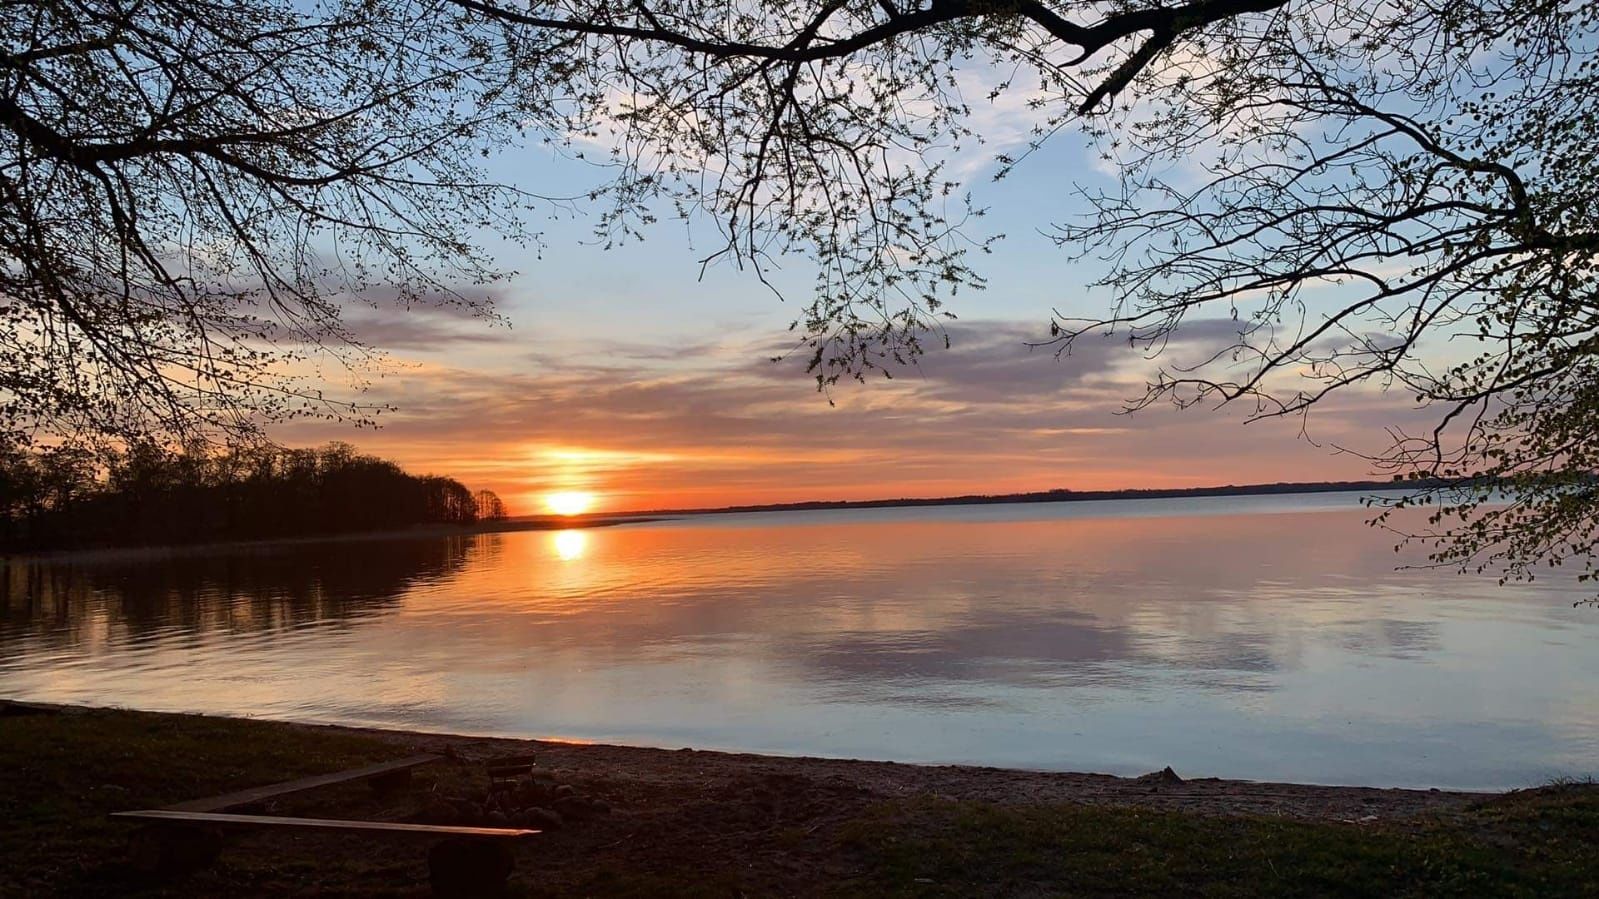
[(148, 493), (488, 506), (191, 193)]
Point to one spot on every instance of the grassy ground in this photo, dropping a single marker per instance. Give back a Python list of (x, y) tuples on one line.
[(1530, 846), (61, 774)]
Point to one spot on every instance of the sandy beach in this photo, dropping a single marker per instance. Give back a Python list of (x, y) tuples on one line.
[(671, 777)]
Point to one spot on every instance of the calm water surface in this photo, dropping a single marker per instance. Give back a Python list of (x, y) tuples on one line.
[(1264, 637)]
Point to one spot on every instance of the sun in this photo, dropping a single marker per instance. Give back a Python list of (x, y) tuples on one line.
[(569, 502)]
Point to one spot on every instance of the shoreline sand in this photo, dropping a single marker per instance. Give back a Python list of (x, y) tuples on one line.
[(687, 768), (658, 768)]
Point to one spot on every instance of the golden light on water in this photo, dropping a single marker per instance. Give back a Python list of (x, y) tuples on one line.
[(569, 545), (569, 502)]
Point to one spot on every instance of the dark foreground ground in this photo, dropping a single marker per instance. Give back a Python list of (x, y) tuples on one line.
[(644, 822)]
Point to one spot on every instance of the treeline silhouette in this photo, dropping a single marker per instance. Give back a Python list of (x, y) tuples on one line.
[(69, 496)]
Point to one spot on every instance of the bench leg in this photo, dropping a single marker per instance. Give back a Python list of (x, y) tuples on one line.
[(171, 850), (469, 868)]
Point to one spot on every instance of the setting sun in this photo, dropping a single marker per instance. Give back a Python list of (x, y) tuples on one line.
[(571, 502)]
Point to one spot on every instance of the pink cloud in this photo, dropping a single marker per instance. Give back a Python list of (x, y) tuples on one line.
[(718, 426)]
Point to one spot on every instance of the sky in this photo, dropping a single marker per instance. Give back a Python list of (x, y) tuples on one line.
[(630, 374)]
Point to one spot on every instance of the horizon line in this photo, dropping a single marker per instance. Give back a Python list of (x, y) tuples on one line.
[(1057, 494)]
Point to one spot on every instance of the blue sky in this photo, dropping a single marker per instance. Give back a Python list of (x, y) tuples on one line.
[(627, 374)]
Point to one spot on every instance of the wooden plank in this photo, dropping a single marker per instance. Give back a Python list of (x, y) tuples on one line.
[(385, 827), (269, 791)]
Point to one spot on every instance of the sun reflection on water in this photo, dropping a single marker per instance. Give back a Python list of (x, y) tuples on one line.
[(569, 545)]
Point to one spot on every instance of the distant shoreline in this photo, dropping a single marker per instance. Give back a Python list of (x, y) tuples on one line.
[(599, 520), (1061, 495)]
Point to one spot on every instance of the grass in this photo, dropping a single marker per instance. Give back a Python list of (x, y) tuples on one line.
[(1538, 844), (61, 774)]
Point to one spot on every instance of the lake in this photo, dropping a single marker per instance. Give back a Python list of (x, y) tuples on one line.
[(1268, 638)]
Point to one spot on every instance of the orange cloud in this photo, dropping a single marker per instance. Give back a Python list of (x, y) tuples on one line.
[(714, 424)]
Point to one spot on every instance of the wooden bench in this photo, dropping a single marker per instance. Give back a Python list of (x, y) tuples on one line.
[(465, 861), (506, 770)]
